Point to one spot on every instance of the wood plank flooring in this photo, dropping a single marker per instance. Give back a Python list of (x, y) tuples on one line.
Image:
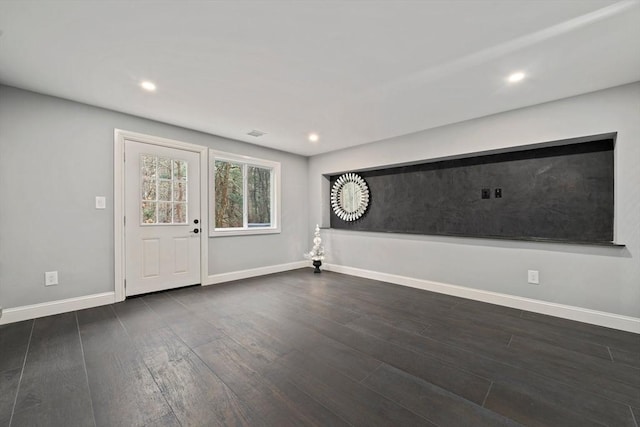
[(302, 349)]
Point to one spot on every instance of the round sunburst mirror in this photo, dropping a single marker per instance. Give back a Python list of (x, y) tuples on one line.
[(349, 197)]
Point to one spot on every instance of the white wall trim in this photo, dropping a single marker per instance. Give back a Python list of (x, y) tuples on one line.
[(33, 311), (27, 312), (594, 317), (600, 318), (253, 272)]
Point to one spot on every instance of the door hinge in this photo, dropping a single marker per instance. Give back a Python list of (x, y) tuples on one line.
[(125, 221), (125, 283)]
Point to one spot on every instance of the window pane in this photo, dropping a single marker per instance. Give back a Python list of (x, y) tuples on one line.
[(179, 213), (149, 190), (259, 196), (164, 213), (179, 170), (148, 163), (164, 190), (149, 213), (228, 197), (179, 191), (164, 168)]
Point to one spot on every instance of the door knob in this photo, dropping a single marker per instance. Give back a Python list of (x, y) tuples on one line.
[(196, 230), (195, 221)]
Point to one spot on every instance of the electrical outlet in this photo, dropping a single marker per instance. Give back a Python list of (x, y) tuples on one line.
[(533, 277), (485, 193), (50, 278)]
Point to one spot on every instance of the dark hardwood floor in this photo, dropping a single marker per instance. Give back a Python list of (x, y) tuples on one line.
[(297, 349)]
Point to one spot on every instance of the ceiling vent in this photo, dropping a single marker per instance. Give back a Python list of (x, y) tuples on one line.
[(256, 133)]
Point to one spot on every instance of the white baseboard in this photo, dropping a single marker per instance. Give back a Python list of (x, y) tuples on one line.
[(17, 314), (26, 312), (600, 318), (253, 272), (594, 317)]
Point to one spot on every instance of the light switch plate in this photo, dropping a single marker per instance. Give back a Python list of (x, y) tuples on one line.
[(533, 277), (101, 202), (50, 278)]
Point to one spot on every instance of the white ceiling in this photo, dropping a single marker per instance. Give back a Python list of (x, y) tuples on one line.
[(353, 71)]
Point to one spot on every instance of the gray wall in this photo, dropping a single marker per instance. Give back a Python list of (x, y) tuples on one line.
[(606, 279), (57, 155)]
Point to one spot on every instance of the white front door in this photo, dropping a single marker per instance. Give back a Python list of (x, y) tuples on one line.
[(162, 222)]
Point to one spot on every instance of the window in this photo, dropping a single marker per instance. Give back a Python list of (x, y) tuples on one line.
[(244, 196), (164, 190)]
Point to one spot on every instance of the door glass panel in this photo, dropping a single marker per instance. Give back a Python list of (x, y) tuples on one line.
[(164, 213), (179, 191), (149, 189), (164, 168), (163, 190), (149, 213), (149, 164), (179, 170), (179, 213)]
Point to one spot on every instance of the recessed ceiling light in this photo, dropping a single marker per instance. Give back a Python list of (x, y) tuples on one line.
[(314, 137), (149, 86), (516, 77)]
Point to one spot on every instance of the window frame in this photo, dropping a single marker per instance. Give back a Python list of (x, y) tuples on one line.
[(245, 161)]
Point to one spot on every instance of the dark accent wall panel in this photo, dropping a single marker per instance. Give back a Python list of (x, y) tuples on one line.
[(557, 192)]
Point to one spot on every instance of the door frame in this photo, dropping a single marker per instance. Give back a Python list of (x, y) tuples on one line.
[(119, 204)]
